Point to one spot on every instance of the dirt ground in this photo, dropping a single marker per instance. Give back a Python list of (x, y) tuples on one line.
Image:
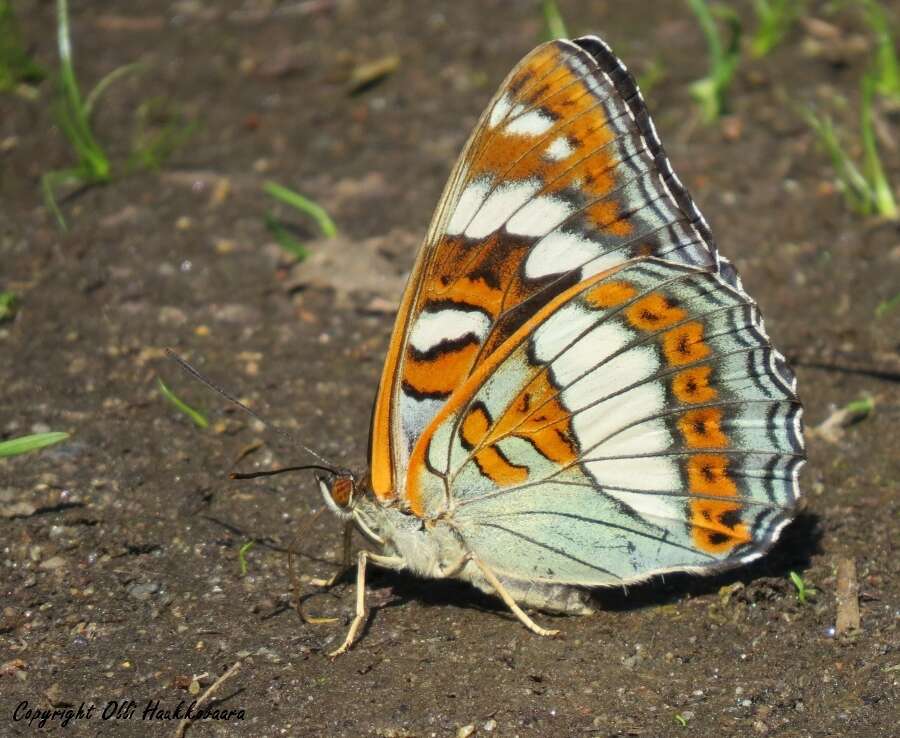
[(120, 574)]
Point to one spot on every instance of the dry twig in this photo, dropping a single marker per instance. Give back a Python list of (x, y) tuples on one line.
[(182, 726)]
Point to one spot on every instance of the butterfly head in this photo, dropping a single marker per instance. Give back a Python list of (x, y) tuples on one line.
[(339, 491)]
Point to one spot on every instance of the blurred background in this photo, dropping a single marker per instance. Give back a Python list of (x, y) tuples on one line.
[(248, 183)]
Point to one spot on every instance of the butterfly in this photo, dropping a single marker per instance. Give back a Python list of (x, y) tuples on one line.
[(578, 392)]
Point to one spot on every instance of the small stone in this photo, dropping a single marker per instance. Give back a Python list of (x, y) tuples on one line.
[(381, 306), (170, 315), (19, 510), (60, 531), (55, 562), (143, 590), (732, 128), (220, 192), (53, 693), (465, 731), (236, 313)]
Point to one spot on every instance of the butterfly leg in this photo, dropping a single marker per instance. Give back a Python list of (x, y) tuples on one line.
[(345, 561), (510, 602), (451, 571), (388, 562)]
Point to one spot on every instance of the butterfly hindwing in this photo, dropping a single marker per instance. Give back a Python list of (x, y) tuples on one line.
[(563, 178), (640, 422)]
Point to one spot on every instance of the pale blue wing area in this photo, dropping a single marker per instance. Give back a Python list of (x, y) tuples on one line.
[(686, 439), (563, 531)]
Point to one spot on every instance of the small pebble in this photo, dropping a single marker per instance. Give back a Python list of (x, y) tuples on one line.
[(143, 590), (56, 562)]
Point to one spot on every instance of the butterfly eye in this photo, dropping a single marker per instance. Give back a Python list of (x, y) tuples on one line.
[(342, 491), (337, 492)]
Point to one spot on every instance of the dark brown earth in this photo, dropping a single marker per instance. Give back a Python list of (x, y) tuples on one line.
[(124, 581)]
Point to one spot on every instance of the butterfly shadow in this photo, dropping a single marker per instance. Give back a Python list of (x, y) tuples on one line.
[(389, 589), (793, 552)]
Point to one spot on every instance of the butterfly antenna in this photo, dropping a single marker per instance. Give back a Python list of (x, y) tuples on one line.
[(273, 472), (195, 373)]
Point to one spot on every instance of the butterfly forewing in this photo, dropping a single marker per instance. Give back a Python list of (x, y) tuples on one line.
[(562, 179), (638, 423)]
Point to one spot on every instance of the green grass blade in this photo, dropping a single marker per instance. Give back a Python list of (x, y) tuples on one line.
[(9, 304), (711, 92), (93, 164), (104, 84), (196, 416), (885, 307), (650, 78), (49, 182), (727, 64), (556, 26), (708, 26), (304, 205), (887, 65), (242, 556), (798, 585), (69, 84), (25, 444), (861, 408), (775, 18), (803, 589), (285, 238), (16, 65), (851, 181), (161, 129), (879, 188)]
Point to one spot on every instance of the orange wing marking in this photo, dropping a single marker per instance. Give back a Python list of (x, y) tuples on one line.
[(702, 428), (716, 525), (536, 415), (684, 344), (583, 127), (692, 385), (654, 312), (440, 374), (490, 459), (609, 295)]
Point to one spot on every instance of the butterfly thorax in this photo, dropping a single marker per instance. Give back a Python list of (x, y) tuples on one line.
[(425, 548), (428, 548)]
